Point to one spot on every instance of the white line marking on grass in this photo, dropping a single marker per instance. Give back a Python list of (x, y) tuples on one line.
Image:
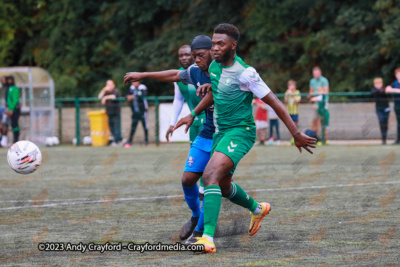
[(50, 205), (86, 202), (325, 186)]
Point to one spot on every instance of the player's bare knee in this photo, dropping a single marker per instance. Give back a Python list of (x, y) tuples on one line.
[(210, 178), (206, 180), (189, 179), (210, 182)]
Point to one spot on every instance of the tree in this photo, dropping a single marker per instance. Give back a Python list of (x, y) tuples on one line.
[(82, 44)]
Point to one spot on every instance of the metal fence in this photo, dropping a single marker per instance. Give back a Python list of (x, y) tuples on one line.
[(71, 113), (352, 117)]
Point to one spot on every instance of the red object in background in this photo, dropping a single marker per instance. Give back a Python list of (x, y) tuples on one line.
[(261, 113)]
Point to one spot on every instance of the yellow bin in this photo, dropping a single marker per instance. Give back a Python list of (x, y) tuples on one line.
[(99, 130)]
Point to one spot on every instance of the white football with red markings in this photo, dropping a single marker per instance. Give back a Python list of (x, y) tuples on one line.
[(24, 157)]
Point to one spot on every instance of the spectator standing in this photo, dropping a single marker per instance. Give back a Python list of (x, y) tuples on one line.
[(4, 87), (395, 88), (137, 95), (108, 97), (13, 107), (273, 123), (3, 116), (322, 102), (382, 106), (316, 82), (261, 120), (3, 129), (292, 100)]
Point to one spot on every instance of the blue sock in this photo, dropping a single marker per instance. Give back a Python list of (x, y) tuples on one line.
[(192, 199), (200, 223)]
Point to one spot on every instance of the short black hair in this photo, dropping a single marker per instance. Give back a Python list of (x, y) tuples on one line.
[(228, 29), (12, 80)]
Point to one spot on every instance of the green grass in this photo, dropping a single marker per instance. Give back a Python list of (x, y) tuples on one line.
[(329, 224)]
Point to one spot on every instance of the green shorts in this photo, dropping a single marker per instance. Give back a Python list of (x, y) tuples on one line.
[(234, 142), (325, 118), (195, 128)]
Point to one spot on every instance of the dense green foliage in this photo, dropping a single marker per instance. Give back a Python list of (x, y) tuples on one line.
[(84, 43)]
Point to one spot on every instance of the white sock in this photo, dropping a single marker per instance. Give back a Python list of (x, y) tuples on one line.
[(209, 238), (258, 210), (3, 141), (201, 190)]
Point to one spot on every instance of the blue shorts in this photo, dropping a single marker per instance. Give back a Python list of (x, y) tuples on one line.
[(199, 155), (2, 110), (295, 117)]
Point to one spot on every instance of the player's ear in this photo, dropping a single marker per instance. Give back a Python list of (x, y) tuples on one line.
[(234, 45)]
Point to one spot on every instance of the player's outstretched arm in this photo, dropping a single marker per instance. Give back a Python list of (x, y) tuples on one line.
[(301, 140), (207, 101), (162, 76)]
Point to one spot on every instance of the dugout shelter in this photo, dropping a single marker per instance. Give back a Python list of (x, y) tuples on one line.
[(36, 100)]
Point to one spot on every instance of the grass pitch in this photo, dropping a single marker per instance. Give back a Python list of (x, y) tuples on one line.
[(339, 206)]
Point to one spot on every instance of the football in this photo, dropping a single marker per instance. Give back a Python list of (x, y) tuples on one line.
[(24, 157), (49, 141), (87, 140), (52, 141)]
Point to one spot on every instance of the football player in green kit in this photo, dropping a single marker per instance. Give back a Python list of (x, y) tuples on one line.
[(233, 84)]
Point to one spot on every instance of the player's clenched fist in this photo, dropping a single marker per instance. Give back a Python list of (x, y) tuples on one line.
[(132, 77)]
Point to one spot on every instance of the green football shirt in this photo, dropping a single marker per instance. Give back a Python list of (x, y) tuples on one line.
[(12, 97), (233, 88)]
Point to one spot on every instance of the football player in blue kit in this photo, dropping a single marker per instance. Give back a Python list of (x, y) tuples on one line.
[(199, 155)]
